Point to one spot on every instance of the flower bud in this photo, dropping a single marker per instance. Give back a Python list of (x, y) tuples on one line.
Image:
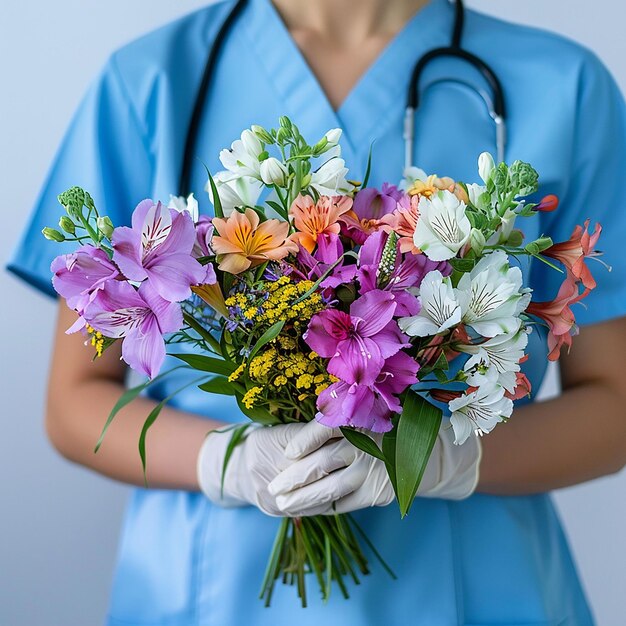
[(320, 147), (262, 134), (105, 226), (273, 172), (516, 238), (539, 245), (333, 136), (306, 181), (477, 241), (66, 224), (284, 122), (486, 165), (548, 204), (53, 235)]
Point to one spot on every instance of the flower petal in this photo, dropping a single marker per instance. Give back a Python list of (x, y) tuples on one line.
[(127, 252), (144, 348), (375, 309)]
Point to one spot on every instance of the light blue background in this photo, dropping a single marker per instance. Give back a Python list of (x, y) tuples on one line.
[(59, 524)]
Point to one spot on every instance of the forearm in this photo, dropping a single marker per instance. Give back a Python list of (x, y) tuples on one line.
[(75, 421), (576, 437)]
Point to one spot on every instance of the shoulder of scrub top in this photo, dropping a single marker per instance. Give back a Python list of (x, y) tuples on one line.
[(550, 51), (171, 56)]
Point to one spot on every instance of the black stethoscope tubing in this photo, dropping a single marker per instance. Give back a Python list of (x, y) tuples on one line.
[(455, 50)]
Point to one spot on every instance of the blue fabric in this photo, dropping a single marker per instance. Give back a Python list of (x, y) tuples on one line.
[(486, 560)]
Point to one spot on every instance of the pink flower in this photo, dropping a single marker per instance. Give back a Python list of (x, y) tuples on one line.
[(522, 389), (572, 253), (369, 406), (403, 221), (357, 343)]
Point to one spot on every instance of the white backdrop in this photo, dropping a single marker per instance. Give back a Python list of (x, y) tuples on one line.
[(58, 523)]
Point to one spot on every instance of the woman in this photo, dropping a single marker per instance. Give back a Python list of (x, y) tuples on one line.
[(497, 557)]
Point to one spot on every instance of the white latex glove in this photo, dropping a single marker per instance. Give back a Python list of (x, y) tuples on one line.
[(330, 475), (255, 461)]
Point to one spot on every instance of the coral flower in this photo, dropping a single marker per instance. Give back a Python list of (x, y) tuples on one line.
[(403, 221), (559, 316), (312, 219), (572, 253), (243, 242)]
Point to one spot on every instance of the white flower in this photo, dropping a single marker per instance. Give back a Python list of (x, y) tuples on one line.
[(235, 192), (495, 360), (182, 205), (333, 136), (490, 294), (273, 172), (442, 228), (440, 309), (478, 412), (243, 157), (330, 178), (475, 191), (486, 165), (411, 175)]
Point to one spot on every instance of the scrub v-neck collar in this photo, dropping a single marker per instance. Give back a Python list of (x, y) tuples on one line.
[(381, 88)]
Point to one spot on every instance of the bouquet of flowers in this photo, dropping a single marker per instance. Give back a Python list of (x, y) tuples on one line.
[(311, 296)]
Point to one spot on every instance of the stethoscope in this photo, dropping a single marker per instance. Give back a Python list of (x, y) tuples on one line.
[(493, 99)]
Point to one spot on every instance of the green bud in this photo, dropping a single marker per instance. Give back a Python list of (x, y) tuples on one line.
[(320, 146), (285, 122), (516, 238), (539, 245), (105, 226), (524, 178), (66, 224), (306, 181), (388, 259), (281, 135), (73, 200), (500, 177), (262, 134), (53, 235), (346, 293), (477, 241)]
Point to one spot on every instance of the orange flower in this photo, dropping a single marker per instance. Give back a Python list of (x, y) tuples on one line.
[(572, 253), (433, 184), (314, 219), (213, 296), (243, 242)]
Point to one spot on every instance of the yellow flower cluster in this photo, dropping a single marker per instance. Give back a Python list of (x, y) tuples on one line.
[(97, 340), (280, 305), (251, 396)]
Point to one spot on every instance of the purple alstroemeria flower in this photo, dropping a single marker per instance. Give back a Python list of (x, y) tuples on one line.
[(80, 275), (328, 251), (373, 406), (204, 234), (158, 247), (140, 317), (409, 271), (357, 343), (370, 205)]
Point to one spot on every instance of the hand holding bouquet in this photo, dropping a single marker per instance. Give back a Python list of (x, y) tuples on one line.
[(312, 297)]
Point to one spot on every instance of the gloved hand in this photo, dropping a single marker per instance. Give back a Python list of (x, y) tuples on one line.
[(329, 475), (255, 461)]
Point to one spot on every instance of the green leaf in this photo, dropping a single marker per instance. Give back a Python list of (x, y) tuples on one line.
[(463, 265), (203, 332), (368, 169), (389, 452), (270, 334), (152, 417), (362, 442), (418, 428), (237, 436), (207, 363), (217, 203), (127, 398), (218, 385)]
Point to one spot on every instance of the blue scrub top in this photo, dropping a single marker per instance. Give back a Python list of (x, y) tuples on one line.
[(486, 560)]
